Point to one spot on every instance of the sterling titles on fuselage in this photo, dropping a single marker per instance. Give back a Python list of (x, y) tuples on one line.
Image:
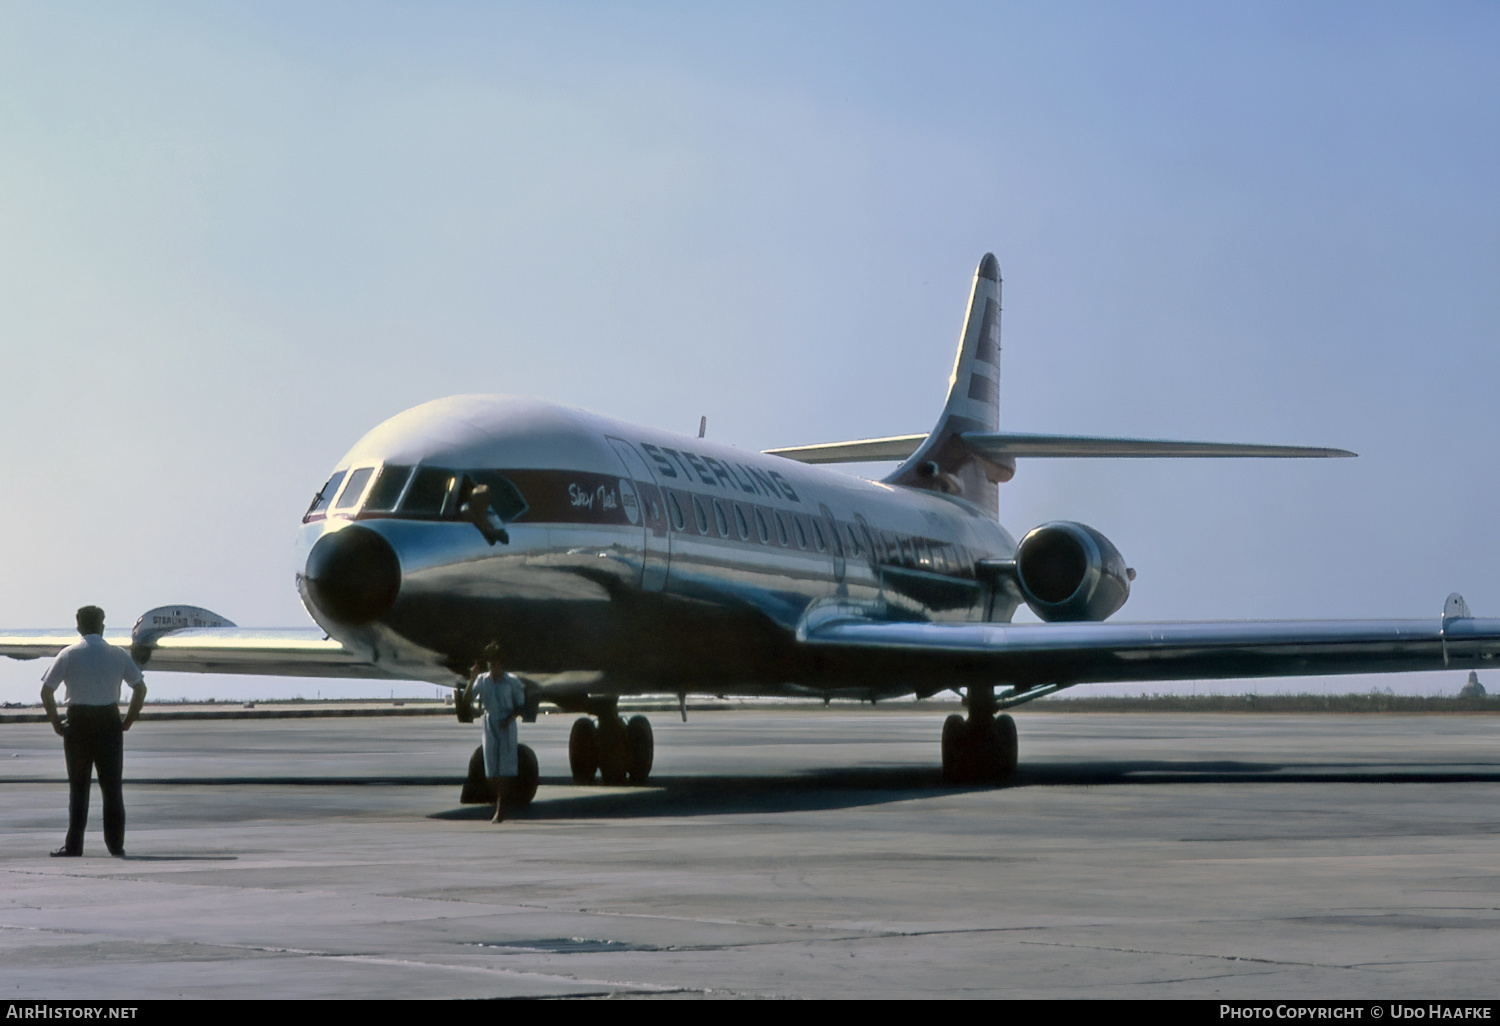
[(656, 558)]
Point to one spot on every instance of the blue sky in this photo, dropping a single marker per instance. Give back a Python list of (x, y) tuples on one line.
[(233, 237)]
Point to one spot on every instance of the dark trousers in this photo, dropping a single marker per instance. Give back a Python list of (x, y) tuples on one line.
[(92, 738)]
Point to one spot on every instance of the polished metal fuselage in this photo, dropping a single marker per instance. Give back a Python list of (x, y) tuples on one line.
[(654, 562)]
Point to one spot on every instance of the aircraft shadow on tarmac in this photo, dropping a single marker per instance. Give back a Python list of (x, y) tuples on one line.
[(829, 789)]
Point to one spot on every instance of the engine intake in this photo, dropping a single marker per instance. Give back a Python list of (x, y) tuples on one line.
[(1070, 571)]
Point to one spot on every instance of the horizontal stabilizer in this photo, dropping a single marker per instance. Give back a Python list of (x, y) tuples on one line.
[(1014, 445), (869, 450), (1033, 446)]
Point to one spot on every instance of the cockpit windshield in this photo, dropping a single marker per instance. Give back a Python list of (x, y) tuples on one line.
[(324, 498), (387, 488), (354, 489), (422, 492)]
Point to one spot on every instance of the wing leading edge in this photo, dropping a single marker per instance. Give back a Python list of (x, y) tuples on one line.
[(1045, 657)]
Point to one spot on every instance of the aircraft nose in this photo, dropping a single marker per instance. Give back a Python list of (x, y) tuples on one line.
[(353, 576)]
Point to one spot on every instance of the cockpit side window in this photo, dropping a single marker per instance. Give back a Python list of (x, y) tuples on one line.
[(387, 488), (428, 491), (506, 501), (354, 489), (324, 498)]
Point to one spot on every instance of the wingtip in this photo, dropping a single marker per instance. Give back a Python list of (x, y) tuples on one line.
[(989, 267)]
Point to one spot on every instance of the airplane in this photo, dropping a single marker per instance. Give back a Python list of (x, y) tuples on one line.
[(610, 560)]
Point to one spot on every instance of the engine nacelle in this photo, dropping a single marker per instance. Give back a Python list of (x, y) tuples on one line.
[(1070, 571)]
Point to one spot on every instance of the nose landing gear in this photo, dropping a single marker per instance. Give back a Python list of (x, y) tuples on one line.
[(982, 748), (520, 789), (617, 750)]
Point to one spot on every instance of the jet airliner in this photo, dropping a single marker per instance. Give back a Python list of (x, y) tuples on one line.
[(610, 560)]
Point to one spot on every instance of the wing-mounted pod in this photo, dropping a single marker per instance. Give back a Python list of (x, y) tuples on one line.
[(164, 620), (1069, 571)]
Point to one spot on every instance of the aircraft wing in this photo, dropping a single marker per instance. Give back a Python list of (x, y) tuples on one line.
[(1035, 659), (292, 652)]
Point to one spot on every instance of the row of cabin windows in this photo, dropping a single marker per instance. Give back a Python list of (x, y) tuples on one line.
[(429, 492), (416, 492), (762, 523), (710, 518)]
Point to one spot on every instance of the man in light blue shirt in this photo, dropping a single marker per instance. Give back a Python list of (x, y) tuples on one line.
[(93, 735), (503, 698)]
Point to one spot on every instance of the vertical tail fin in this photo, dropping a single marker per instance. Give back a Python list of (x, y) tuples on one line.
[(943, 463)]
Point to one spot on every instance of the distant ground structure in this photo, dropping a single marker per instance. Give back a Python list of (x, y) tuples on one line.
[(1472, 689)]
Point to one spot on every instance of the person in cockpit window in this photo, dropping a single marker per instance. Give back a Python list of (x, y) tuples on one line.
[(502, 698)]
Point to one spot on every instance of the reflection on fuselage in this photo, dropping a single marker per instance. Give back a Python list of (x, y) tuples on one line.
[(662, 563)]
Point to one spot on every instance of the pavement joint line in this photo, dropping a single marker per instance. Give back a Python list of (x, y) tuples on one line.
[(513, 973), (1191, 954)]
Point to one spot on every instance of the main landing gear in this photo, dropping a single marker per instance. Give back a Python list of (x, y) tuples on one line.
[(615, 749), (980, 748)]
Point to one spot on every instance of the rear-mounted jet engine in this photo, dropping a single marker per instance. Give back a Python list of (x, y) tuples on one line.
[(1070, 571)]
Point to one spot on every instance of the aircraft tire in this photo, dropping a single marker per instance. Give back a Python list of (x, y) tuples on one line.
[(984, 751), (583, 750), (521, 788), (614, 751), (955, 736), (477, 790), (642, 748), (1005, 728)]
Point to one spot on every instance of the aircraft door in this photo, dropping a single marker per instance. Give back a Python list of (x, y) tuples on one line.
[(653, 514), (835, 544)]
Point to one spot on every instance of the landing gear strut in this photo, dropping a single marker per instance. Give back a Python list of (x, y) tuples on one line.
[(617, 750), (982, 748)]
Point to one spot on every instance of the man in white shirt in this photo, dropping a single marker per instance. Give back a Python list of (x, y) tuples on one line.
[(93, 735), (503, 697)]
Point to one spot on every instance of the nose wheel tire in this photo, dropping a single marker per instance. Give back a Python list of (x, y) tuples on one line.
[(979, 751), (477, 789), (583, 750), (520, 789)]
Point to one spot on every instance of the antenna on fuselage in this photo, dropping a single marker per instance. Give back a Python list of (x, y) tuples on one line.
[(702, 425)]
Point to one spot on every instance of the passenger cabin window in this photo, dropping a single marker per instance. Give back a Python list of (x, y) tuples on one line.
[(700, 515), (324, 498), (387, 488), (801, 534), (428, 492), (853, 540), (354, 488), (739, 522), (760, 527), (818, 537), (678, 520), (720, 520), (781, 535)]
